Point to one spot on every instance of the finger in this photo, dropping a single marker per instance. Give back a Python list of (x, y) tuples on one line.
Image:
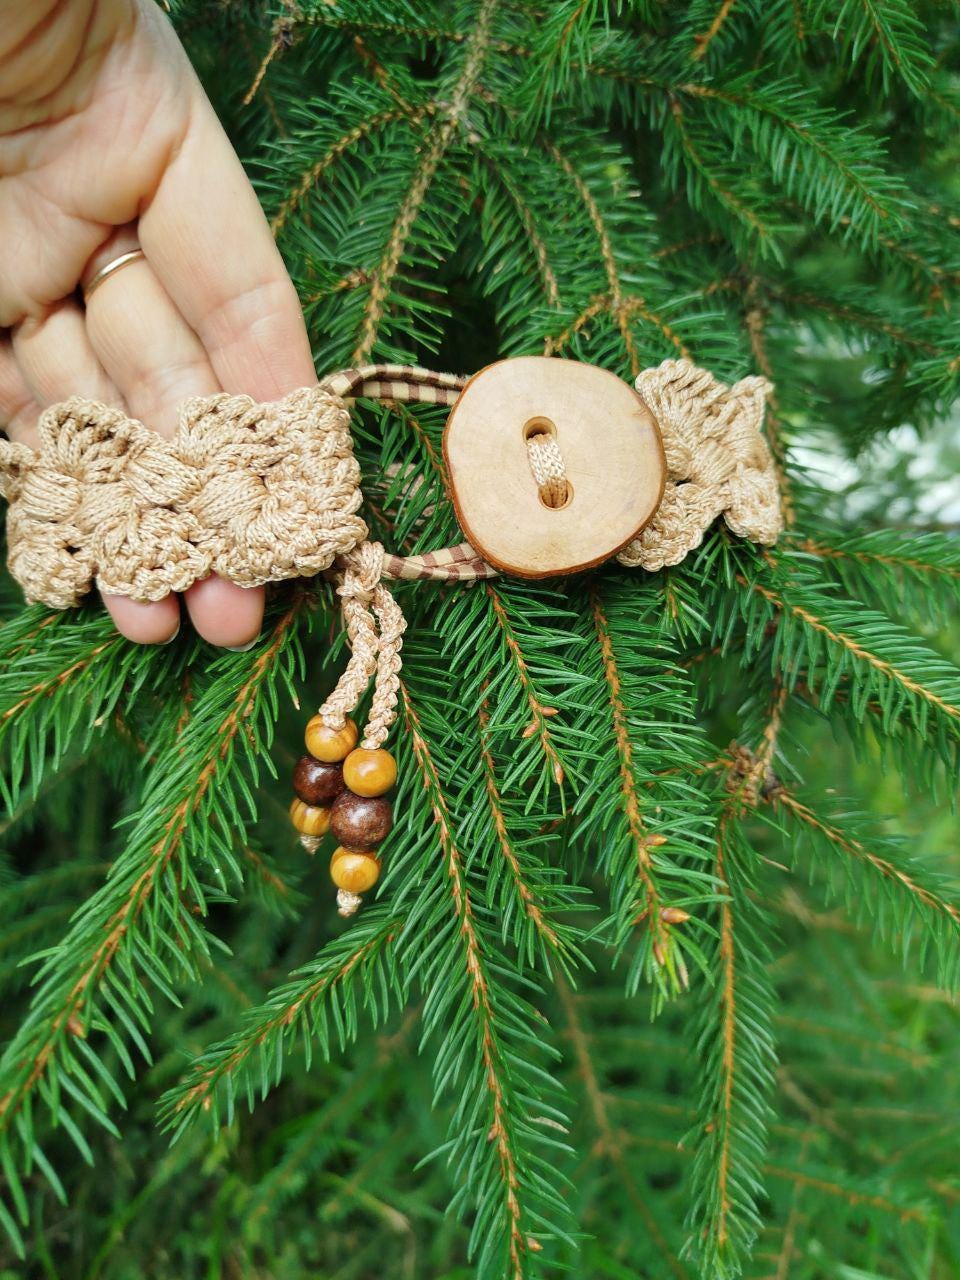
[(56, 360), (157, 362), (209, 242), (144, 621), (148, 349), (224, 613), (19, 409)]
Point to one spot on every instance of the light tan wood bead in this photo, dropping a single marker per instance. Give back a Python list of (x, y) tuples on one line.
[(330, 745), (613, 466), (354, 872), (310, 819), (369, 772)]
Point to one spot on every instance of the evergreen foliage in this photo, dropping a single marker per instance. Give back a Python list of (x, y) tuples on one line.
[(641, 993)]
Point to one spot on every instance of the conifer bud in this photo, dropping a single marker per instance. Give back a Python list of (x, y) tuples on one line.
[(674, 915)]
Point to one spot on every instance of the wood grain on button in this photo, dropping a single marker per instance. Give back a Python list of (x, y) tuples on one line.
[(554, 465)]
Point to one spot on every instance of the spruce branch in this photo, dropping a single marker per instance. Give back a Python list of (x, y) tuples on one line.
[(702, 42), (657, 879), (436, 144), (319, 1004), (612, 1144), (529, 223), (539, 711), (618, 301), (734, 1038), (649, 904), (701, 160), (922, 568), (826, 640), (44, 658), (905, 900), (369, 19), (513, 1194), (360, 132), (854, 1196), (882, 33), (755, 320), (560, 45), (531, 899), (139, 929)]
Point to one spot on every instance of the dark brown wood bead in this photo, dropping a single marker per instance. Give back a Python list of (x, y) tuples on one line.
[(316, 782), (360, 822)]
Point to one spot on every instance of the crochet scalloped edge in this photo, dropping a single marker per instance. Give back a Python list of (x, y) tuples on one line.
[(253, 492), (258, 493)]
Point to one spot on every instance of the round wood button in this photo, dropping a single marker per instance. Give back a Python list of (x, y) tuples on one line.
[(554, 465)]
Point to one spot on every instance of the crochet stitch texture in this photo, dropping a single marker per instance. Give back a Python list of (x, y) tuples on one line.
[(253, 492), (718, 463), (261, 492)]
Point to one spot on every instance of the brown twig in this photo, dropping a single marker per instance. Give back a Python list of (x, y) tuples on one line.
[(476, 970), (528, 897)]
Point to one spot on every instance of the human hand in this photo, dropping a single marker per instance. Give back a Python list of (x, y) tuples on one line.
[(107, 141)]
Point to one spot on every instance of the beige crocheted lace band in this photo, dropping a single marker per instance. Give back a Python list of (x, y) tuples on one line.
[(258, 493), (261, 492)]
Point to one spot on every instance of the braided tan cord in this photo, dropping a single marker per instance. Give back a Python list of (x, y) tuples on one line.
[(383, 707), (358, 579), (253, 492), (375, 645), (348, 904), (549, 472)]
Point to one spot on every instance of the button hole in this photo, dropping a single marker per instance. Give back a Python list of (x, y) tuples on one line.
[(536, 427)]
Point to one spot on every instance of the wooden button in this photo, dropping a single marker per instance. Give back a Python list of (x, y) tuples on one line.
[(608, 486)]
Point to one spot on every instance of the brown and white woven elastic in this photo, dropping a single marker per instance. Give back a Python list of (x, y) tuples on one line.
[(262, 492)]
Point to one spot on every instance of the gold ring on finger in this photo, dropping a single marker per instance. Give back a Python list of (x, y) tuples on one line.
[(109, 269)]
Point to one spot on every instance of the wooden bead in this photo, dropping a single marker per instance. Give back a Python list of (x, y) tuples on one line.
[(310, 819), (330, 745), (360, 822), (369, 773), (316, 782), (613, 465), (353, 871)]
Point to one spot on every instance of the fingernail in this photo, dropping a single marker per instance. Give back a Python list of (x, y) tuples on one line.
[(242, 648), (170, 639)]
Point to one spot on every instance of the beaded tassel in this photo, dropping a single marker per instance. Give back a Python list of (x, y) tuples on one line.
[(341, 786)]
